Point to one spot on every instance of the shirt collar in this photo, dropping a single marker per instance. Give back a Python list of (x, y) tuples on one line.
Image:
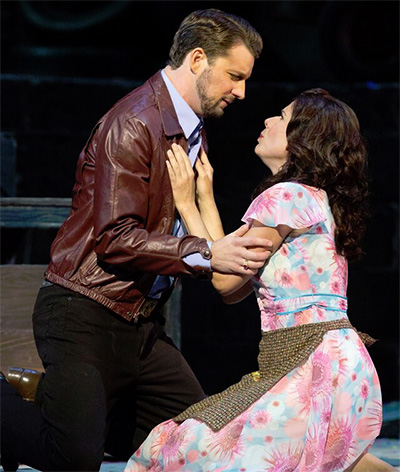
[(187, 118)]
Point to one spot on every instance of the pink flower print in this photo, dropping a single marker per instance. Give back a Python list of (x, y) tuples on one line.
[(227, 443), (303, 317), (260, 419), (366, 359), (272, 322), (335, 381), (284, 250), (335, 286), (171, 442), (279, 307), (280, 387), (284, 458), (313, 452), (318, 229), (172, 446), (368, 428), (364, 388), (296, 427), (158, 436), (343, 304), (321, 376), (326, 416), (155, 466), (302, 248), (313, 288), (301, 280), (267, 200), (283, 278), (299, 390), (192, 455), (287, 196), (310, 385), (339, 445), (343, 370)]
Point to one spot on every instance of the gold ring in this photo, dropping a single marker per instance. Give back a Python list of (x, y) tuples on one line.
[(245, 264)]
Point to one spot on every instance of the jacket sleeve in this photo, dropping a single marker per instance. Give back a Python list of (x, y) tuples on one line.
[(122, 205)]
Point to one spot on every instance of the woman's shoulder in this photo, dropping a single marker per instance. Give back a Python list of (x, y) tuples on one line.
[(293, 189), (290, 203)]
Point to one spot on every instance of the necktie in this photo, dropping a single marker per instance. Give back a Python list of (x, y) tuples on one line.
[(194, 143)]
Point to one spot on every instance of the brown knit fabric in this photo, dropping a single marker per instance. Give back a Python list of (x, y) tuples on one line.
[(281, 351)]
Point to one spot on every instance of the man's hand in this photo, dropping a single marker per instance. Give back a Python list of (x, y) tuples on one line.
[(230, 255)]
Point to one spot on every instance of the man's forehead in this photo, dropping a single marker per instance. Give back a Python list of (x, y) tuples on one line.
[(238, 59)]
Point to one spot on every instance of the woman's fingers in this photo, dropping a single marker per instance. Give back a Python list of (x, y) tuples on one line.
[(203, 156), (200, 168), (180, 161), (182, 158), (206, 163)]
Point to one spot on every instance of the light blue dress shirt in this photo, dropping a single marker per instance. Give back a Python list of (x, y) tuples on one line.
[(191, 125)]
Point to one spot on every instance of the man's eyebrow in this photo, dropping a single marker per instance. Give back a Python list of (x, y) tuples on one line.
[(240, 75)]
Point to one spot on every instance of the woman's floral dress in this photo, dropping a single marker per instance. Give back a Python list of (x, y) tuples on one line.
[(322, 415)]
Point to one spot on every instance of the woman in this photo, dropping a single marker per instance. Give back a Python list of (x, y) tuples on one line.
[(315, 403)]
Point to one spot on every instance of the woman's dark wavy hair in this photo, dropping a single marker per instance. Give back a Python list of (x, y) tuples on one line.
[(326, 150)]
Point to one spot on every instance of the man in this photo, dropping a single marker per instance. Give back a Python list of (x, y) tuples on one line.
[(111, 372)]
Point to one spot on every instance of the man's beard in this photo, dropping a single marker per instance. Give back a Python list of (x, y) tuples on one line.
[(209, 107)]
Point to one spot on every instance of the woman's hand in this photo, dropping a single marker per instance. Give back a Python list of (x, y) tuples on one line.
[(182, 179), (204, 181)]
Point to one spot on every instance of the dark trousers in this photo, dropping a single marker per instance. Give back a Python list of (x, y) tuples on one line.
[(108, 382)]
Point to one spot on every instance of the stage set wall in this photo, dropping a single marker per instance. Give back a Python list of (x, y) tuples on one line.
[(65, 63)]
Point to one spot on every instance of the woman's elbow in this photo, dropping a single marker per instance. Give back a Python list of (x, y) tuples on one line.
[(220, 287)]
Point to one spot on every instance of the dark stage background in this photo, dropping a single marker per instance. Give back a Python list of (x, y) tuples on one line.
[(65, 63)]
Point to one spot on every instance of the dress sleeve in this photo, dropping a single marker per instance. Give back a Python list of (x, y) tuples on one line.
[(289, 204)]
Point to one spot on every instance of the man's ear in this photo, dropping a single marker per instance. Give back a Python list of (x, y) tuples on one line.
[(197, 60)]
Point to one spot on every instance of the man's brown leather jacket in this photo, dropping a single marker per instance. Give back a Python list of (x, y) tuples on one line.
[(117, 237)]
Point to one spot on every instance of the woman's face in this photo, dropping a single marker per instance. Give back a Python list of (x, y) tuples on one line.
[(272, 142)]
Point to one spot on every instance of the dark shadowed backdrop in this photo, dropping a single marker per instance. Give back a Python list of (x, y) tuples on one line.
[(63, 64)]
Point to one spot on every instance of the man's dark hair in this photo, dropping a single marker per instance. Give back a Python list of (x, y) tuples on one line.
[(214, 31)]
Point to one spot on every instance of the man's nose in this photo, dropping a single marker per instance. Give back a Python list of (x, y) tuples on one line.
[(239, 90)]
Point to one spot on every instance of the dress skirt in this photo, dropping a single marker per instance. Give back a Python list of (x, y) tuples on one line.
[(320, 416)]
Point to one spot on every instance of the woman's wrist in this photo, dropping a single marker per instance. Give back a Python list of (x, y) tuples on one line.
[(187, 208), (205, 201)]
